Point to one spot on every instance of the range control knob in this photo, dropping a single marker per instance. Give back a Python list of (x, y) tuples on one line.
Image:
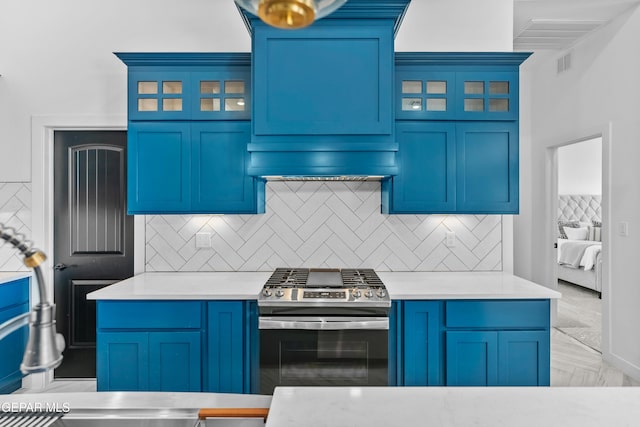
[(266, 292), (369, 293), (279, 293), (381, 293), (356, 293)]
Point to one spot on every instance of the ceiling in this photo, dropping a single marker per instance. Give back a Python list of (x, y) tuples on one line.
[(560, 24)]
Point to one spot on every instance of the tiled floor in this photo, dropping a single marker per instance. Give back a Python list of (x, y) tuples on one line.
[(576, 358), (575, 348)]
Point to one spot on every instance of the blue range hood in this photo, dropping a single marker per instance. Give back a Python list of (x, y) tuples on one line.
[(323, 96)]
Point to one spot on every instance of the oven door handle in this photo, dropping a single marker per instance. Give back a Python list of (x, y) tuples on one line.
[(324, 323)]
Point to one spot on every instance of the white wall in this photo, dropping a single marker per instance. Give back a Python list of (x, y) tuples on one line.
[(580, 167), (601, 88), (457, 25)]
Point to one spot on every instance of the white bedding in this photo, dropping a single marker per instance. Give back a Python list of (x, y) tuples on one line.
[(578, 253)]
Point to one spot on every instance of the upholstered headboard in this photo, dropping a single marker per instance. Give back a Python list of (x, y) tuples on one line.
[(579, 207)]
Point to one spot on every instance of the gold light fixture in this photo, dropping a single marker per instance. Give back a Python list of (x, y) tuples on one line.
[(290, 14)]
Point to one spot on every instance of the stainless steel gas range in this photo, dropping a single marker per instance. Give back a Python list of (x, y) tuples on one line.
[(323, 327)]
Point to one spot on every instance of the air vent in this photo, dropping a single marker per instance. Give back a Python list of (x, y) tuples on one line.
[(564, 63)]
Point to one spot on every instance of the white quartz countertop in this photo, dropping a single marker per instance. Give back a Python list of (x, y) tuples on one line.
[(10, 276), (454, 406), (247, 285), (185, 286), (462, 285)]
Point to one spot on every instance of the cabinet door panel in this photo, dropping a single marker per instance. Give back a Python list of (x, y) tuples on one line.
[(487, 167), (159, 167), (122, 361), (426, 182), (175, 361), (523, 358), (226, 347), (422, 343), (220, 160), (472, 358)]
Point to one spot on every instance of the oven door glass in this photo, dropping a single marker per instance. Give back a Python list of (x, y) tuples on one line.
[(322, 358)]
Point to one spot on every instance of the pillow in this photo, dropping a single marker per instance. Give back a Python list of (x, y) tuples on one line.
[(596, 223), (580, 233), (595, 233), (562, 224)]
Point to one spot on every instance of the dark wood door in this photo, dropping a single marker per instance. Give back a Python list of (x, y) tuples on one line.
[(93, 236)]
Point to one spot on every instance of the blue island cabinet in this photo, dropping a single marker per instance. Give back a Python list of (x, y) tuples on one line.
[(14, 300)]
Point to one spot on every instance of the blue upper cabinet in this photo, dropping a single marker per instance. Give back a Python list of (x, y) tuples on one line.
[(427, 161), (188, 86), (457, 133), (457, 85), (159, 167), (487, 158), (219, 162), (188, 134), (196, 167)]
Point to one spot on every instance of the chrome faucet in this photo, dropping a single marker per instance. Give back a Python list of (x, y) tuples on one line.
[(45, 346)]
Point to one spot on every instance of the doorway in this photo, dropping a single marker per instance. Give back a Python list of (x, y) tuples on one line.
[(93, 237), (579, 241)]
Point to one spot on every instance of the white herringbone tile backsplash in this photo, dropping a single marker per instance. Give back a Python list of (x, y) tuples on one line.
[(15, 211), (324, 224)]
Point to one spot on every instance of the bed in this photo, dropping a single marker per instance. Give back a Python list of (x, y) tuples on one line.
[(579, 253)]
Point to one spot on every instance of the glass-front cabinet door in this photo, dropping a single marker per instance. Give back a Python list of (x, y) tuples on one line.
[(487, 95), (190, 95), (221, 95), (159, 96), (425, 95)]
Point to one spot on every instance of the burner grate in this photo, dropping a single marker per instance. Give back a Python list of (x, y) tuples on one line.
[(288, 277), (361, 277)]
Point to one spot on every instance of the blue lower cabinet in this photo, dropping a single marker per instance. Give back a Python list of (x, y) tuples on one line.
[(523, 357), (225, 335), (472, 358), (149, 345), (473, 343), (175, 361), (423, 343), (14, 300), (497, 342), (122, 362)]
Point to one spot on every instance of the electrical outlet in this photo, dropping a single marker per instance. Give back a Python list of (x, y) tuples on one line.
[(203, 240), (450, 239)]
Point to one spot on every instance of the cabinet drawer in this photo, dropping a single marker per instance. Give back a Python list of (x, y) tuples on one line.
[(149, 314), (13, 293), (497, 314)]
